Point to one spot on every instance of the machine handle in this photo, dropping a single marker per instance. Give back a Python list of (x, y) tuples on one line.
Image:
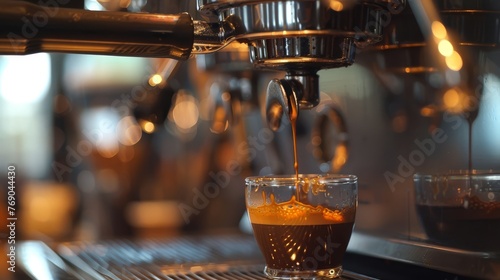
[(329, 114), (26, 28)]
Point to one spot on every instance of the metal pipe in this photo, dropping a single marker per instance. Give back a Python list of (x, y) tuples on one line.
[(26, 28)]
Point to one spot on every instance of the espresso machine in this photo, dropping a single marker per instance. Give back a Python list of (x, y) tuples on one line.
[(385, 89)]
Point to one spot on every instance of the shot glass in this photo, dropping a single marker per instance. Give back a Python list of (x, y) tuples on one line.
[(460, 208), (302, 226)]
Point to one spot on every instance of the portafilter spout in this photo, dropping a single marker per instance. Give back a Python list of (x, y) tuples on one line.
[(296, 90)]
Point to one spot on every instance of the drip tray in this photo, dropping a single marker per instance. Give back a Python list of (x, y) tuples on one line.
[(196, 257), (220, 271), (216, 257)]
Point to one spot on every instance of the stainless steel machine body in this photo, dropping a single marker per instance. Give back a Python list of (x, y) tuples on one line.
[(300, 38)]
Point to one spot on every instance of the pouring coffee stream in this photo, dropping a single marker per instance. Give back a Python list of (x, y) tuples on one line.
[(471, 117), (470, 124)]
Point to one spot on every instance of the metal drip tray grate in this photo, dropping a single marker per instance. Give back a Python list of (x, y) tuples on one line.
[(217, 257), (207, 257), (233, 272)]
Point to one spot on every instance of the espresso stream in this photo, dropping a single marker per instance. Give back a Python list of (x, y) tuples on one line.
[(470, 122), (293, 121)]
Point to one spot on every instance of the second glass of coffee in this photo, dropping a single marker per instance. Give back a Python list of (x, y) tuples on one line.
[(302, 226)]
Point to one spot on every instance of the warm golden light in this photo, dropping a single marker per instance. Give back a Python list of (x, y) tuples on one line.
[(428, 111), (451, 98), (336, 5), (155, 80), (438, 30), (185, 113), (455, 100), (148, 126), (445, 48), (454, 61), (341, 155), (129, 131)]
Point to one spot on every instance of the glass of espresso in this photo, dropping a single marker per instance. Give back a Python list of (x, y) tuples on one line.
[(460, 209), (302, 224)]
